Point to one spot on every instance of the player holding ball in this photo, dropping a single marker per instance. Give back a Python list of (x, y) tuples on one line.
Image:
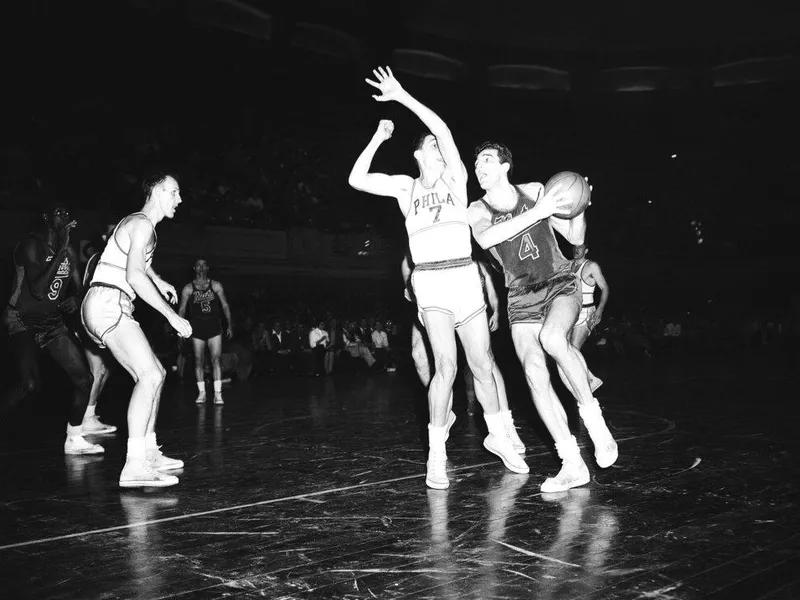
[(516, 224)]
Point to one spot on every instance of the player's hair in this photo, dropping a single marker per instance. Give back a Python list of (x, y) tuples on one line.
[(153, 180), (503, 153), (420, 139)]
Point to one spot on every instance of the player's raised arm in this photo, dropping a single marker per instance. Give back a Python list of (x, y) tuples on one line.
[(379, 184), (391, 89)]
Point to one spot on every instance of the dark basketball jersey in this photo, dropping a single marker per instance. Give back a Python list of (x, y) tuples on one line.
[(531, 256), (23, 300), (204, 304)]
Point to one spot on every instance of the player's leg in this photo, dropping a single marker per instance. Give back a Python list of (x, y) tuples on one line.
[(24, 353), (199, 350), (534, 362), (100, 371), (580, 333), (560, 318), (65, 352), (130, 347), (475, 338), (505, 410), (440, 327), (215, 352), (419, 354)]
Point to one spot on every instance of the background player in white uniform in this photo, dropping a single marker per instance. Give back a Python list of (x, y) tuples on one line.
[(590, 276), (123, 271), (445, 279)]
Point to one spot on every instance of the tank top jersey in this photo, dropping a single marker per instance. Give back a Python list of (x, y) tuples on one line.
[(23, 300), (532, 256), (204, 304), (112, 265), (587, 290), (437, 224)]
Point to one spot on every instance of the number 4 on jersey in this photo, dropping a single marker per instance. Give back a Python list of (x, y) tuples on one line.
[(527, 249)]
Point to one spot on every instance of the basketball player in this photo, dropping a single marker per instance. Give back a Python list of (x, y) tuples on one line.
[(590, 276), (445, 279), (124, 271), (44, 268), (206, 301), (98, 358), (420, 349), (516, 224)]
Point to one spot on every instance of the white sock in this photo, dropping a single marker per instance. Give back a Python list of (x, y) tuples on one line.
[(150, 441), (217, 386), (201, 385), (89, 412), (435, 437), (136, 447), (74, 430), (494, 423), (506, 416)]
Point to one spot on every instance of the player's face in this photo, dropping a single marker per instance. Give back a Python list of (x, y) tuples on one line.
[(488, 169), (431, 156), (170, 196), (58, 217), (201, 267)]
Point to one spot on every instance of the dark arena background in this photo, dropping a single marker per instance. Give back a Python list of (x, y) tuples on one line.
[(306, 485)]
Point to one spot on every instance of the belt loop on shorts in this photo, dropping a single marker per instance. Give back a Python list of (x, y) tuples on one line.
[(437, 265)]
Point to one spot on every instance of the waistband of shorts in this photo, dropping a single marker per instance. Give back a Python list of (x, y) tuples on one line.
[(100, 284), (535, 287), (437, 265)]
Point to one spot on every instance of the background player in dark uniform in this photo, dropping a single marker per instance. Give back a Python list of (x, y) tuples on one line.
[(206, 303), (44, 268), (516, 224)]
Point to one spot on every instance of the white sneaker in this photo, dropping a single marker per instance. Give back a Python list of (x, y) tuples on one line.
[(76, 444), (571, 475), (502, 447), (436, 477), (94, 425), (605, 448), (162, 463), (201, 398), (595, 383), (140, 473), (512, 435), (218, 399)]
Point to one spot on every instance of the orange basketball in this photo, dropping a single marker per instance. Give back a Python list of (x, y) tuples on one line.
[(575, 188)]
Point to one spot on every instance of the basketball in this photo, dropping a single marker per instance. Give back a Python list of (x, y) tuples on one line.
[(575, 188)]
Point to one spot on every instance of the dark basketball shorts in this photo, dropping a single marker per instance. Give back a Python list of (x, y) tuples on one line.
[(44, 329), (531, 304), (205, 329)]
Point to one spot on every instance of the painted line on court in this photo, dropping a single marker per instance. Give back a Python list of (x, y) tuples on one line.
[(670, 425)]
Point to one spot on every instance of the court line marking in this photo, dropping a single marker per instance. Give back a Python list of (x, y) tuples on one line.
[(670, 427)]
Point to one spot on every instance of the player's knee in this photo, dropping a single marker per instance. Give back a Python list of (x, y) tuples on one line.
[(446, 369), (153, 376), (553, 341), (83, 382), (483, 371)]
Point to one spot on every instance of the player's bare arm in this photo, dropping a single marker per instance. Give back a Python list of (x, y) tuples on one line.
[(186, 293), (226, 309), (140, 233), (573, 230), (488, 234), (38, 273), (379, 184), (391, 89)]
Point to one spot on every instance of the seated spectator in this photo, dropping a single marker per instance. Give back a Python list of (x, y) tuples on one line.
[(382, 350), (355, 347)]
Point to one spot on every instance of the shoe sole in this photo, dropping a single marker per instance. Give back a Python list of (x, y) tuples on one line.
[(99, 431), (436, 485), (149, 483), (166, 468), (574, 484), (508, 465), (85, 452), (606, 463)]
